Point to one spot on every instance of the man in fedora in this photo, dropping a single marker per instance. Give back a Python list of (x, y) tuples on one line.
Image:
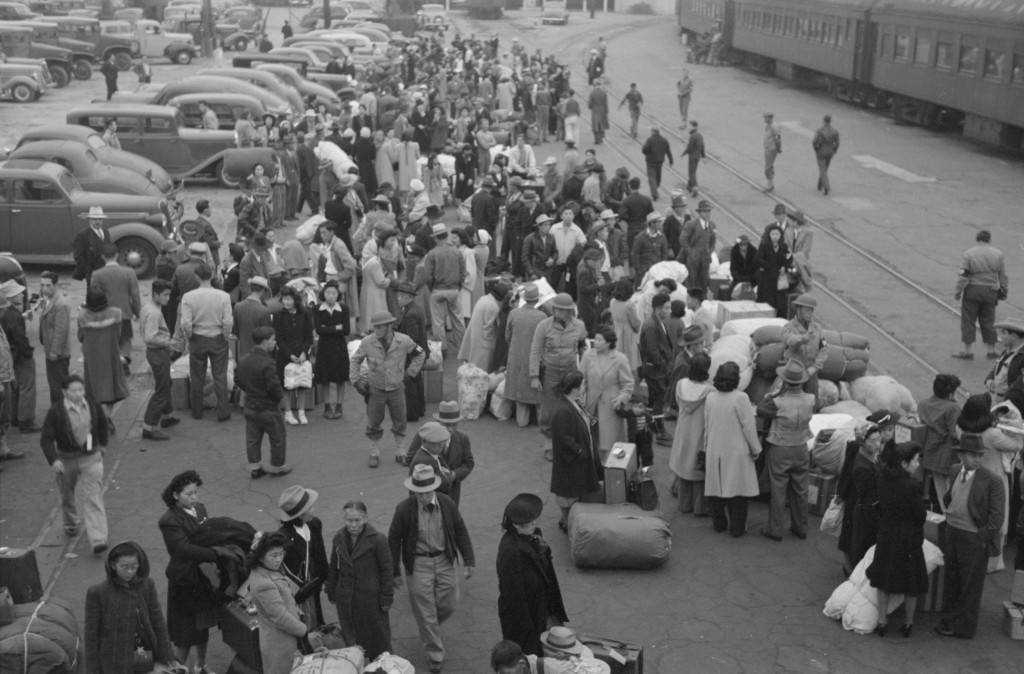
[(781, 220), (557, 343), (656, 357), (772, 149), (249, 314), (520, 328), (1008, 369), (305, 557), (412, 322), (426, 537), (649, 247), (561, 643), (444, 272), (975, 510), (522, 215), (789, 413), (691, 342), (697, 242), (257, 377), (455, 454), (87, 246), (539, 251), (392, 358), (675, 218), (804, 340)]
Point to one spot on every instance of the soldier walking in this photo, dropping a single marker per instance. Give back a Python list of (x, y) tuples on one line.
[(826, 144)]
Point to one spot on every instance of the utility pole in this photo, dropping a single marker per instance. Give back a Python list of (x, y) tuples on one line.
[(327, 13), (209, 29)]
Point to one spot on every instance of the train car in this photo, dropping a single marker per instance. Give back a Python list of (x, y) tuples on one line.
[(485, 9), (953, 62), (697, 17)]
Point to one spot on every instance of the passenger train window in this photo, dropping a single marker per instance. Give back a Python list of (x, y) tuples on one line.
[(902, 52), (995, 59), (968, 58), (923, 51), (885, 44), (1017, 76), (943, 55)]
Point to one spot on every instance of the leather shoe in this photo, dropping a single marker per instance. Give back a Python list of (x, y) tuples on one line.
[(435, 666), (947, 631), (169, 421), (798, 534), (154, 434), (257, 473), (97, 549), (768, 534), (964, 355), (278, 472)]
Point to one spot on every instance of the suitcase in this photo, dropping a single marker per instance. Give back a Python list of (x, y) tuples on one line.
[(180, 393), (19, 573), (433, 386), (619, 469), (820, 490), (241, 632), (605, 536), (620, 656)]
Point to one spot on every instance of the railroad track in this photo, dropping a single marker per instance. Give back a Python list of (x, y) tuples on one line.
[(626, 148)]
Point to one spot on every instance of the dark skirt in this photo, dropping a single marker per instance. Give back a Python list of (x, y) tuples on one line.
[(331, 364), (191, 612), (898, 566)]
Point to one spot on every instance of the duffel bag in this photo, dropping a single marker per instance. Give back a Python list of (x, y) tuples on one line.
[(750, 326), (768, 359), (42, 639), (734, 348), (767, 334), (617, 537), (386, 663), (339, 661)]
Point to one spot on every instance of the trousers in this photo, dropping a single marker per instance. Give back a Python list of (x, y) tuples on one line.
[(691, 181), (214, 349), (433, 594), (25, 391), (572, 128), (392, 401), (691, 497), (56, 372), (160, 402), (823, 164), (543, 122), (634, 121), (654, 179), (444, 306), (270, 423), (978, 305), (85, 472), (788, 468), (966, 565), (550, 377), (729, 513)]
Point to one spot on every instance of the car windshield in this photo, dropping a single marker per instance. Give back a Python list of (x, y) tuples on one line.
[(68, 182)]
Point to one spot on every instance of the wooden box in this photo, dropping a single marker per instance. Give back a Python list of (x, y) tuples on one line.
[(619, 468), (909, 430), (820, 490), (934, 600), (1013, 621), (241, 632), (433, 385), (734, 309), (19, 573)]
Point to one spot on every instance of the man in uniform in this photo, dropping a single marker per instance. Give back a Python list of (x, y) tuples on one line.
[(694, 152), (656, 356), (982, 283), (684, 91), (598, 104), (412, 322), (803, 340), (635, 100), (649, 248), (772, 148), (825, 144), (557, 343)]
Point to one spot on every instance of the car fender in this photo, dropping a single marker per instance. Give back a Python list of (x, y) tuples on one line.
[(238, 162), (230, 40), (10, 82), (116, 49), (171, 50), (139, 229)]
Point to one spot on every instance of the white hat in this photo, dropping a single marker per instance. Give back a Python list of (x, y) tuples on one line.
[(310, 113), (483, 236), (259, 281), (96, 213), (11, 288), (416, 185)]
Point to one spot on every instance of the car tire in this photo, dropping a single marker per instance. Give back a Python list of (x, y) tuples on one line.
[(137, 253), (183, 58), (123, 61), (60, 76), (82, 69), (22, 93), (225, 179), (241, 45)]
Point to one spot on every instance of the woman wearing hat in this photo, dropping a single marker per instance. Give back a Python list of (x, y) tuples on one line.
[(360, 581), (330, 370), (773, 262), (609, 385), (576, 469), (529, 598), (99, 331), (305, 558), (377, 279), (858, 491)]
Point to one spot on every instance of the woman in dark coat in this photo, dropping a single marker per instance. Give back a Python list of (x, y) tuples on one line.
[(360, 582), (330, 370), (742, 263), (293, 326), (576, 463), (858, 489), (365, 154), (305, 558), (898, 566), (529, 598), (191, 605), (123, 613), (465, 167), (772, 257), (590, 286)]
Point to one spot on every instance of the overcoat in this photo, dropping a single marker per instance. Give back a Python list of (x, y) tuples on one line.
[(189, 593), (689, 434), (478, 343), (731, 443), (576, 467), (280, 625), (303, 564), (361, 584), (609, 381), (528, 591), (522, 323), (898, 565)]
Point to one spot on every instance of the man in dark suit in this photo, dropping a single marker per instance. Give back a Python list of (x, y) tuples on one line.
[(522, 214), (453, 458), (975, 510), (694, 152), (412, 322), (121, 287), (429, 557), (483, 207), (207, 234), (697, 242), (338, 212), (656, 357), (656, 152), (634, 210), (309, 185), (87, 246)]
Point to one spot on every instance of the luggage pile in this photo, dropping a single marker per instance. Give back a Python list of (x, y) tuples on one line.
[(473, 384), (848, 354), (42, 639)]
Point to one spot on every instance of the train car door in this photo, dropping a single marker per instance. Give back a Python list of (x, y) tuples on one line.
[(730, 21), (865, 43)]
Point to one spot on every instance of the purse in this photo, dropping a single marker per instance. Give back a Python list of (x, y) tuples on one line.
[(783, 281), (142, 657), (832, 520)]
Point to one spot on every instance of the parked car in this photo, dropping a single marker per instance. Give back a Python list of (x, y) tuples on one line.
[(15, 11), (23, 82), (227, 107), (431, 14), (334, 49), (55, 7), (159, 133), (162, 95), (17, 41), (106, 154), (555, 12), (231, 36), (91, 173), (318, 92), (121, 45), (314, 18), (248, 18), (83, 54), (42, 207), (155, 42), (261, 79), (316, 61)]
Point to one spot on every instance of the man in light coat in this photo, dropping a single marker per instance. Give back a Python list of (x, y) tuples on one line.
[(54, 332)]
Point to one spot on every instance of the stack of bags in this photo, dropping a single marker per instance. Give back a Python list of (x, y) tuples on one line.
[(848, 353)]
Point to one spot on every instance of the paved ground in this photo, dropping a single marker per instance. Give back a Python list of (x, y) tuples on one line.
[(719, 604)]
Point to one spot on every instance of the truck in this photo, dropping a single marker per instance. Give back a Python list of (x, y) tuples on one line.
[(105, 44), (155, 42), (17, 41), (83, 56), (23, 80)]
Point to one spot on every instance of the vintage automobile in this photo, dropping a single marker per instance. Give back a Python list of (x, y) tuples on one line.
[(318, 92), (162, 95), (17, 41), (315, 61), (431, 14), (42, 207), (261, 79), (248, 18), (15, 11), (314, 18), (155, 42), (332, 48), (555, 12), (122, 46), (22, 79), (55, 7), (159, 133), (83, 54), (228, 108), (106, 154), (230, 35), (91, 173)]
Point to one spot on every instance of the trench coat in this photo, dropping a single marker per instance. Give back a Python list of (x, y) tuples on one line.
[(576, 468), (478, 343), (408, 168), (609, 382), (598, 104), (280, 625), (522, 323), (689, 435), (731, 443), (385, 161), (374, 292), (898, 566), (361, 585), (528, 591)]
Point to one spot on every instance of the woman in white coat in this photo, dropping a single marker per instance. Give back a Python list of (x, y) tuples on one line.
[(688, 442), (466, 302), (609, 385), (373, 296)]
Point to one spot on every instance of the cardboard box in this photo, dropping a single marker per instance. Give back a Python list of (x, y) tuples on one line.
[(935, 529), (910, 430), (934, 600), (619, 468), (241, 632), (734, 309), (180, 393), (1013, 621), (19, 573), (433, 386), (820, 490)]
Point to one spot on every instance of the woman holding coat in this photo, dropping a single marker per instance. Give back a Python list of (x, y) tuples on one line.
[(576, 463), (360, 582), (731, 446), (688, 443), (609, 385), (529, 598)]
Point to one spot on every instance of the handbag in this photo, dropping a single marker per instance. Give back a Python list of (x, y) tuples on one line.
[(783, 281), (142, 657), (832, 520)]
